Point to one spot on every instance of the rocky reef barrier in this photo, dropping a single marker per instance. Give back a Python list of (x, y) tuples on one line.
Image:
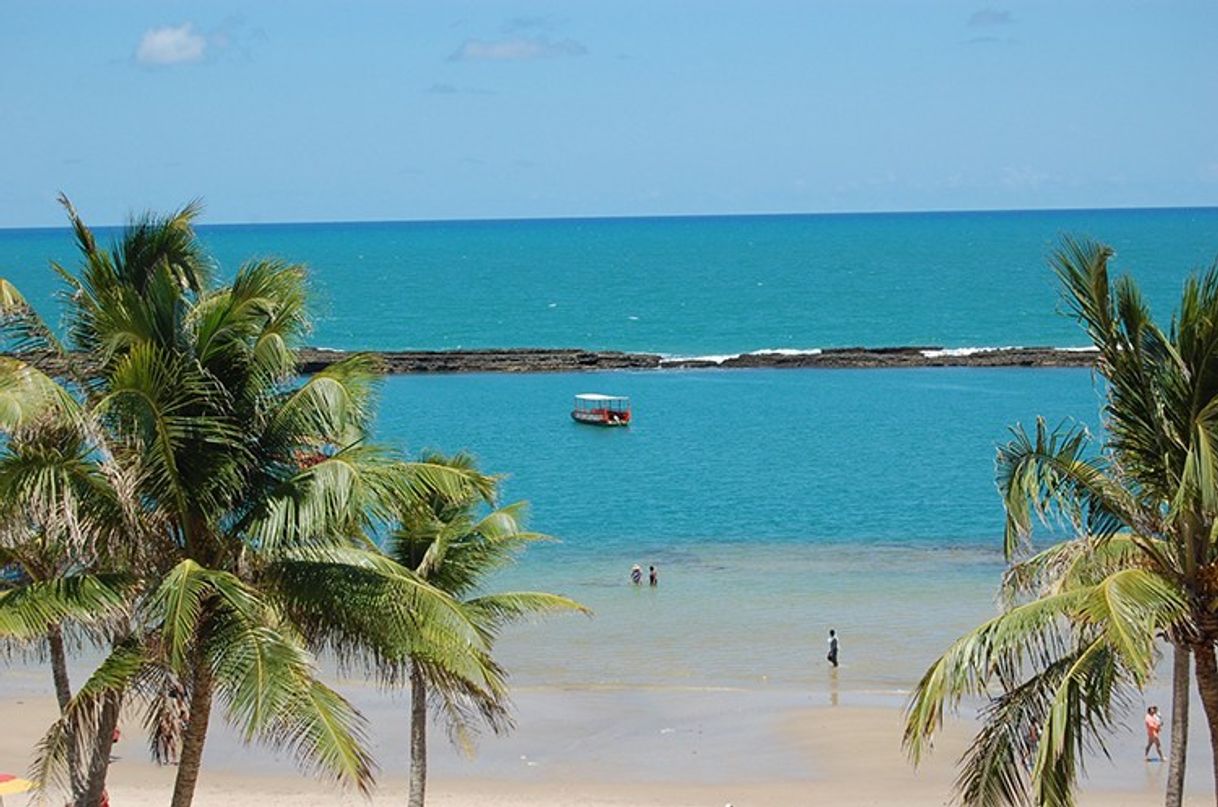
[(572, 360), (566, 360)]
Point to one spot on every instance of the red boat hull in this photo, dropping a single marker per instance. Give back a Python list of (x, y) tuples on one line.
[(601, 417)]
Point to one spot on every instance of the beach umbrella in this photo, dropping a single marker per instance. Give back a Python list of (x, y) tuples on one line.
[(10, 785)]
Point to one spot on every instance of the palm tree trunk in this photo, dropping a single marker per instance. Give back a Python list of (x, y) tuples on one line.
[(1207, 685), (63, 695), (418, 736), (99, 762), (1181, 681), (196, 733), (59, 667)]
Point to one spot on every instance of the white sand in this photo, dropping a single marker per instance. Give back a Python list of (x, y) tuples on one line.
[(834, 755)]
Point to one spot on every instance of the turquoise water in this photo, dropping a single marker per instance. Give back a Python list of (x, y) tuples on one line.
[(776, 504), (810, 456), (691, 286)]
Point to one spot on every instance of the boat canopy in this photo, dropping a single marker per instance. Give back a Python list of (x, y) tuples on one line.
[(596, 396)]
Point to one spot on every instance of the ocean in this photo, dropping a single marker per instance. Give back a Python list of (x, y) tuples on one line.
[(690, 286), (776, 504)]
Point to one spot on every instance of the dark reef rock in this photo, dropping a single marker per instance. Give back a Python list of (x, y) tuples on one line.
[(544, 360), (560, 360)]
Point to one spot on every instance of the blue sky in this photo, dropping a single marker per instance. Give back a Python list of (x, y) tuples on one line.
[(301, 111)]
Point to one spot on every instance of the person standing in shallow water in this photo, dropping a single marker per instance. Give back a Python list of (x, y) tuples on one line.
[(636, 574), (832, 656), (653, 577), (1154, 724)]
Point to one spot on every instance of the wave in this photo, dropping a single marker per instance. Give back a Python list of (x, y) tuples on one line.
[(720, 358), (938, 353), (788, 351), (963, 351), (715, 359)]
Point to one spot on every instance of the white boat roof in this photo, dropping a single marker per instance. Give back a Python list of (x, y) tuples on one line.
[(596, 396)]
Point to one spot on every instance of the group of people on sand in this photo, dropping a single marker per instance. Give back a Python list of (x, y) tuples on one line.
[(636, 575)]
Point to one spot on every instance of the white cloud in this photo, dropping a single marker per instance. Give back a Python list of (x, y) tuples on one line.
[(516, 49), (171, 45)]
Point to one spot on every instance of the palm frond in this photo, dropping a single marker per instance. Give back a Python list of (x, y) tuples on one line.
[(176, 607), (27, 394), (30, 610), (1048, 475), (363, 607), (512, 606), (79, 723)]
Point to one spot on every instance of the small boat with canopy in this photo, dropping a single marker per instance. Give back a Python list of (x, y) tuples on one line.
[(601, 410)]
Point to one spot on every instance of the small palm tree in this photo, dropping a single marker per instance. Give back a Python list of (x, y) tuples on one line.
[(250, 503), (451, 546), (1081, 627), (52, 501)]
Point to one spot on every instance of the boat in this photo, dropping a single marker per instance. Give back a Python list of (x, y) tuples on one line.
[(596, 409)]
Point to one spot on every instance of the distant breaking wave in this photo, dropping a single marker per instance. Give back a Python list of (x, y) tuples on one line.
[(963, 351), (931, 353), (720, 358), (973, 351)]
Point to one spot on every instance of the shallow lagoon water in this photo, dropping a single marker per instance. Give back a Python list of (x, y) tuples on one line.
[(776, 504)]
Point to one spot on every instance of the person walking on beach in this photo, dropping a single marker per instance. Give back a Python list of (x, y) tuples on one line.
[(1154, 725), (653, 577), (832, 657), (636, 574)]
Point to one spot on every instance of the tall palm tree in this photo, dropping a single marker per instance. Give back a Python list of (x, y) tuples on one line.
[(450, 545), (1145, 563), (257, 496)]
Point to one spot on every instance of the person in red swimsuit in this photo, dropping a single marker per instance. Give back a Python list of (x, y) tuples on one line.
[(1154, 725)]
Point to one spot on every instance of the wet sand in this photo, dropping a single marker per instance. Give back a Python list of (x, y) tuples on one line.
[(614, 747)]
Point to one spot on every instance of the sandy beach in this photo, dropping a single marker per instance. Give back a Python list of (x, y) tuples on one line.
[(725, 747)]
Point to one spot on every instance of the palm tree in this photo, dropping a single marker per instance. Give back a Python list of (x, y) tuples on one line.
[(255, 495), (448, 544), (52, 499), (1081, 625)]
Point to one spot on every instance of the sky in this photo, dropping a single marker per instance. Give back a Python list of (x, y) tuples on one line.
[(373, 110)]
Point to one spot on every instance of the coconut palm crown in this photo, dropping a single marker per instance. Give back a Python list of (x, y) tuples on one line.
[(455, 543)]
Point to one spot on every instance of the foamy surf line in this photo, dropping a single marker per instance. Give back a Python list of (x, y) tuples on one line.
[(937, 353), (725, 357)]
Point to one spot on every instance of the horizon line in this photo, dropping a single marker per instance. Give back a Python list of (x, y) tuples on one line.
[(640, 217)]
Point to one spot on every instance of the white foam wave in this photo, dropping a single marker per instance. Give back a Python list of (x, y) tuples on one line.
[(963, 351), (714, 359), (787, 351), (1087, 349), (720, 358)]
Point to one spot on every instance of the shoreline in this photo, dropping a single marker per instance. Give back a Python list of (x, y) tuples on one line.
[(725, 751)]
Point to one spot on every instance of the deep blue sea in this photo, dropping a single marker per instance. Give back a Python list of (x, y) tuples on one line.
[(775, 503), (692, 286)]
